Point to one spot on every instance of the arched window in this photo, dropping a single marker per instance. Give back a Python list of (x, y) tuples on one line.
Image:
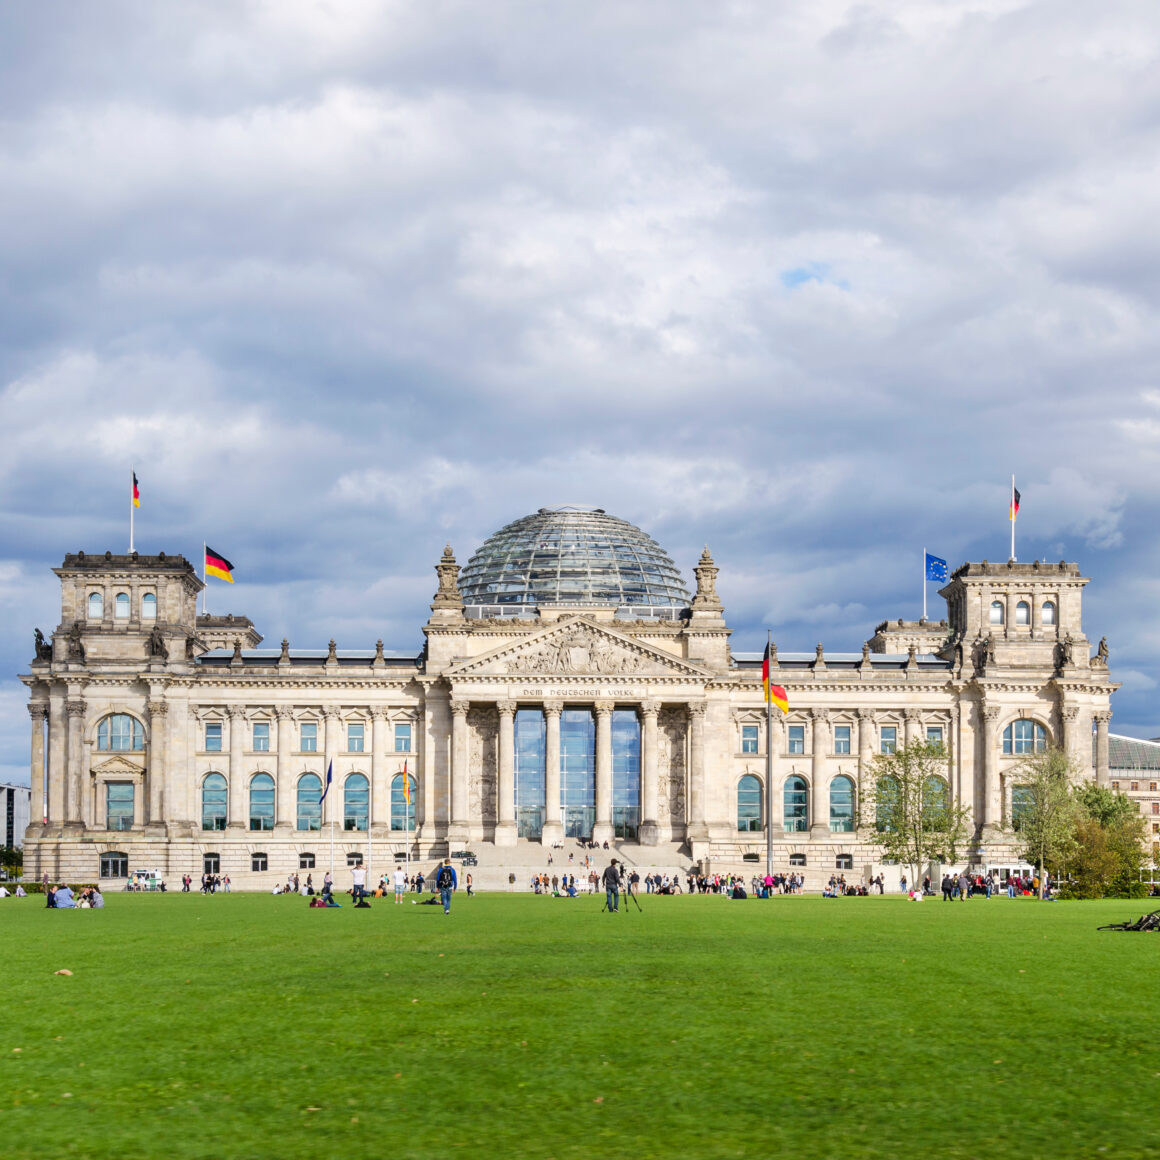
[(356, 802), (309, 806), (795, 807), (402, 811), (936, 800), (748, 804), (841, 805), (121, 606), (1022, 612), (214, 798), (1048, 612), (996, 611), (1024, 736), (148, 606), (262, 802), (120, 732), (888, 805), (96, 606)]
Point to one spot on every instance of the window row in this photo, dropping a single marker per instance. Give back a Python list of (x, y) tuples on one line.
[(122, 606), (1022, 612), (1020, 737), (307, 737), (309, 795), (795, 813)]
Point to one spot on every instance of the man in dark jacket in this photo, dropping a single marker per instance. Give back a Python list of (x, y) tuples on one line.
[(446, 881), (612, 887)]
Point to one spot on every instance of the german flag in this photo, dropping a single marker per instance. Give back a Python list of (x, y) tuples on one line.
[(1015, 498), (136, 493), (217, 565), (774, 693), (406, 785)]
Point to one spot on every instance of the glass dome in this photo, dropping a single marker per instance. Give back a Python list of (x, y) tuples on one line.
[(571, 555)]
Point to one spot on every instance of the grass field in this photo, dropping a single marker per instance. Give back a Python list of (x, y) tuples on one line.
[(252, 1026)]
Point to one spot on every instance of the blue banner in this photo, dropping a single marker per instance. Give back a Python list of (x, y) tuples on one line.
[(936, 569)]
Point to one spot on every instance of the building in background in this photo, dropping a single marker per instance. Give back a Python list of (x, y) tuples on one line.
[(569, 688), (14, 818)]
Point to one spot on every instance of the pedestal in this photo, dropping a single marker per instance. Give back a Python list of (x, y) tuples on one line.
[(649, 834), (506, 834)]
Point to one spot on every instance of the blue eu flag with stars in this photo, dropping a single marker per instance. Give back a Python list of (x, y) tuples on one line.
[(936, 569)]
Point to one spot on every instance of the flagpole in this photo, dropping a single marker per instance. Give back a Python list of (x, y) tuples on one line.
[(204, 583), (1011, 513), (924, 584), (407, 817), (132, 476), (768, 766)]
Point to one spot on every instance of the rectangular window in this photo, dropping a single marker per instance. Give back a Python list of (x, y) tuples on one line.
[(1115, 786), (213, 737), (889, 739), (934, 735), (114, 865), (354, 738), (354, 859), (1152, 786), (308, 737), (261, 737), (211, 863), (305, 861), (1156, 807), (259, 862), (841, 738), (119, 805), (1135, 785), (797, 739), (402, 738), (748, 738)]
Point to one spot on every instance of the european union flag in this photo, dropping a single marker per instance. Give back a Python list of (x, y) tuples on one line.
[(936, 569)]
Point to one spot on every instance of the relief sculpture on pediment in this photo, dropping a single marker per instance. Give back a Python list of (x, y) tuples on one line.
[(482, 734), (579, 650)]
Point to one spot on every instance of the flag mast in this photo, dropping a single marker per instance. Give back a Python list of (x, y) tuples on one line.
[(1012, 514), (407, 816), (924, 584), (204, 583), (132, 505), (768, 763)]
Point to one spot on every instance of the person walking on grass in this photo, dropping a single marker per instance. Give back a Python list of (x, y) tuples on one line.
[(447, 882), (612, 887)]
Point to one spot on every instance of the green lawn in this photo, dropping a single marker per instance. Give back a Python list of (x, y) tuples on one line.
[(248, 1025)]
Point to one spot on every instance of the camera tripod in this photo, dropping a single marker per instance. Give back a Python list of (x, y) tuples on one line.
[(626, 895)]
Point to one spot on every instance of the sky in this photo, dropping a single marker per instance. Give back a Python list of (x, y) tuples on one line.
[(805, 282)]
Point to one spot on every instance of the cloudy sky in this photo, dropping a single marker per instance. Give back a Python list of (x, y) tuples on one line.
[(803, 281)]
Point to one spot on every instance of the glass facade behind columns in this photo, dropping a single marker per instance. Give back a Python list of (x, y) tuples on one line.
[(625, 773), (572, 556), (578, 772), (530, 736)]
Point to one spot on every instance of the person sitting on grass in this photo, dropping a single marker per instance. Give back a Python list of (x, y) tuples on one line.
[(64, 898), (20, 891)]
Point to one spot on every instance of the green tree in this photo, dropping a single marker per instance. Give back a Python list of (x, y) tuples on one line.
[(915, 819), (11, 860), (1044, 809)]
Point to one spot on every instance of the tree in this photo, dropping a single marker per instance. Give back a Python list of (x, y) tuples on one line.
[(915, 818), (1044, 810), (11, 860), (1121, 839)]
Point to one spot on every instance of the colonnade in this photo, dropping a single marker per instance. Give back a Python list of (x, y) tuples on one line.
[(553, 826)]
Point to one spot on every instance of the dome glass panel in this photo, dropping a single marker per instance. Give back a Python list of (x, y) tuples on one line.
[(572, 555)]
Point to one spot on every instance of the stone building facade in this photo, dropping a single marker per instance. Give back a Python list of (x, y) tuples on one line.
[(552, 699)]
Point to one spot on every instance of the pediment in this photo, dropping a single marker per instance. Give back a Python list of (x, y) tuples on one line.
[(577, 647), (118, 765)]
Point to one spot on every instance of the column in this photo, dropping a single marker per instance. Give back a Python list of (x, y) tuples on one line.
[(649, 786), (285, 809), (991, 817), (505, 829), (819, 805), (698, 828), (866, 791), (458, 831), (553, 827), (238, 811), (910, 730), (157, 771), (381, 776), (39, 714), (955, 741), (1012, 600), (332, 807), (602, 831), (1102, 716), (75, 708), (54, 806), (1067, 720)]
